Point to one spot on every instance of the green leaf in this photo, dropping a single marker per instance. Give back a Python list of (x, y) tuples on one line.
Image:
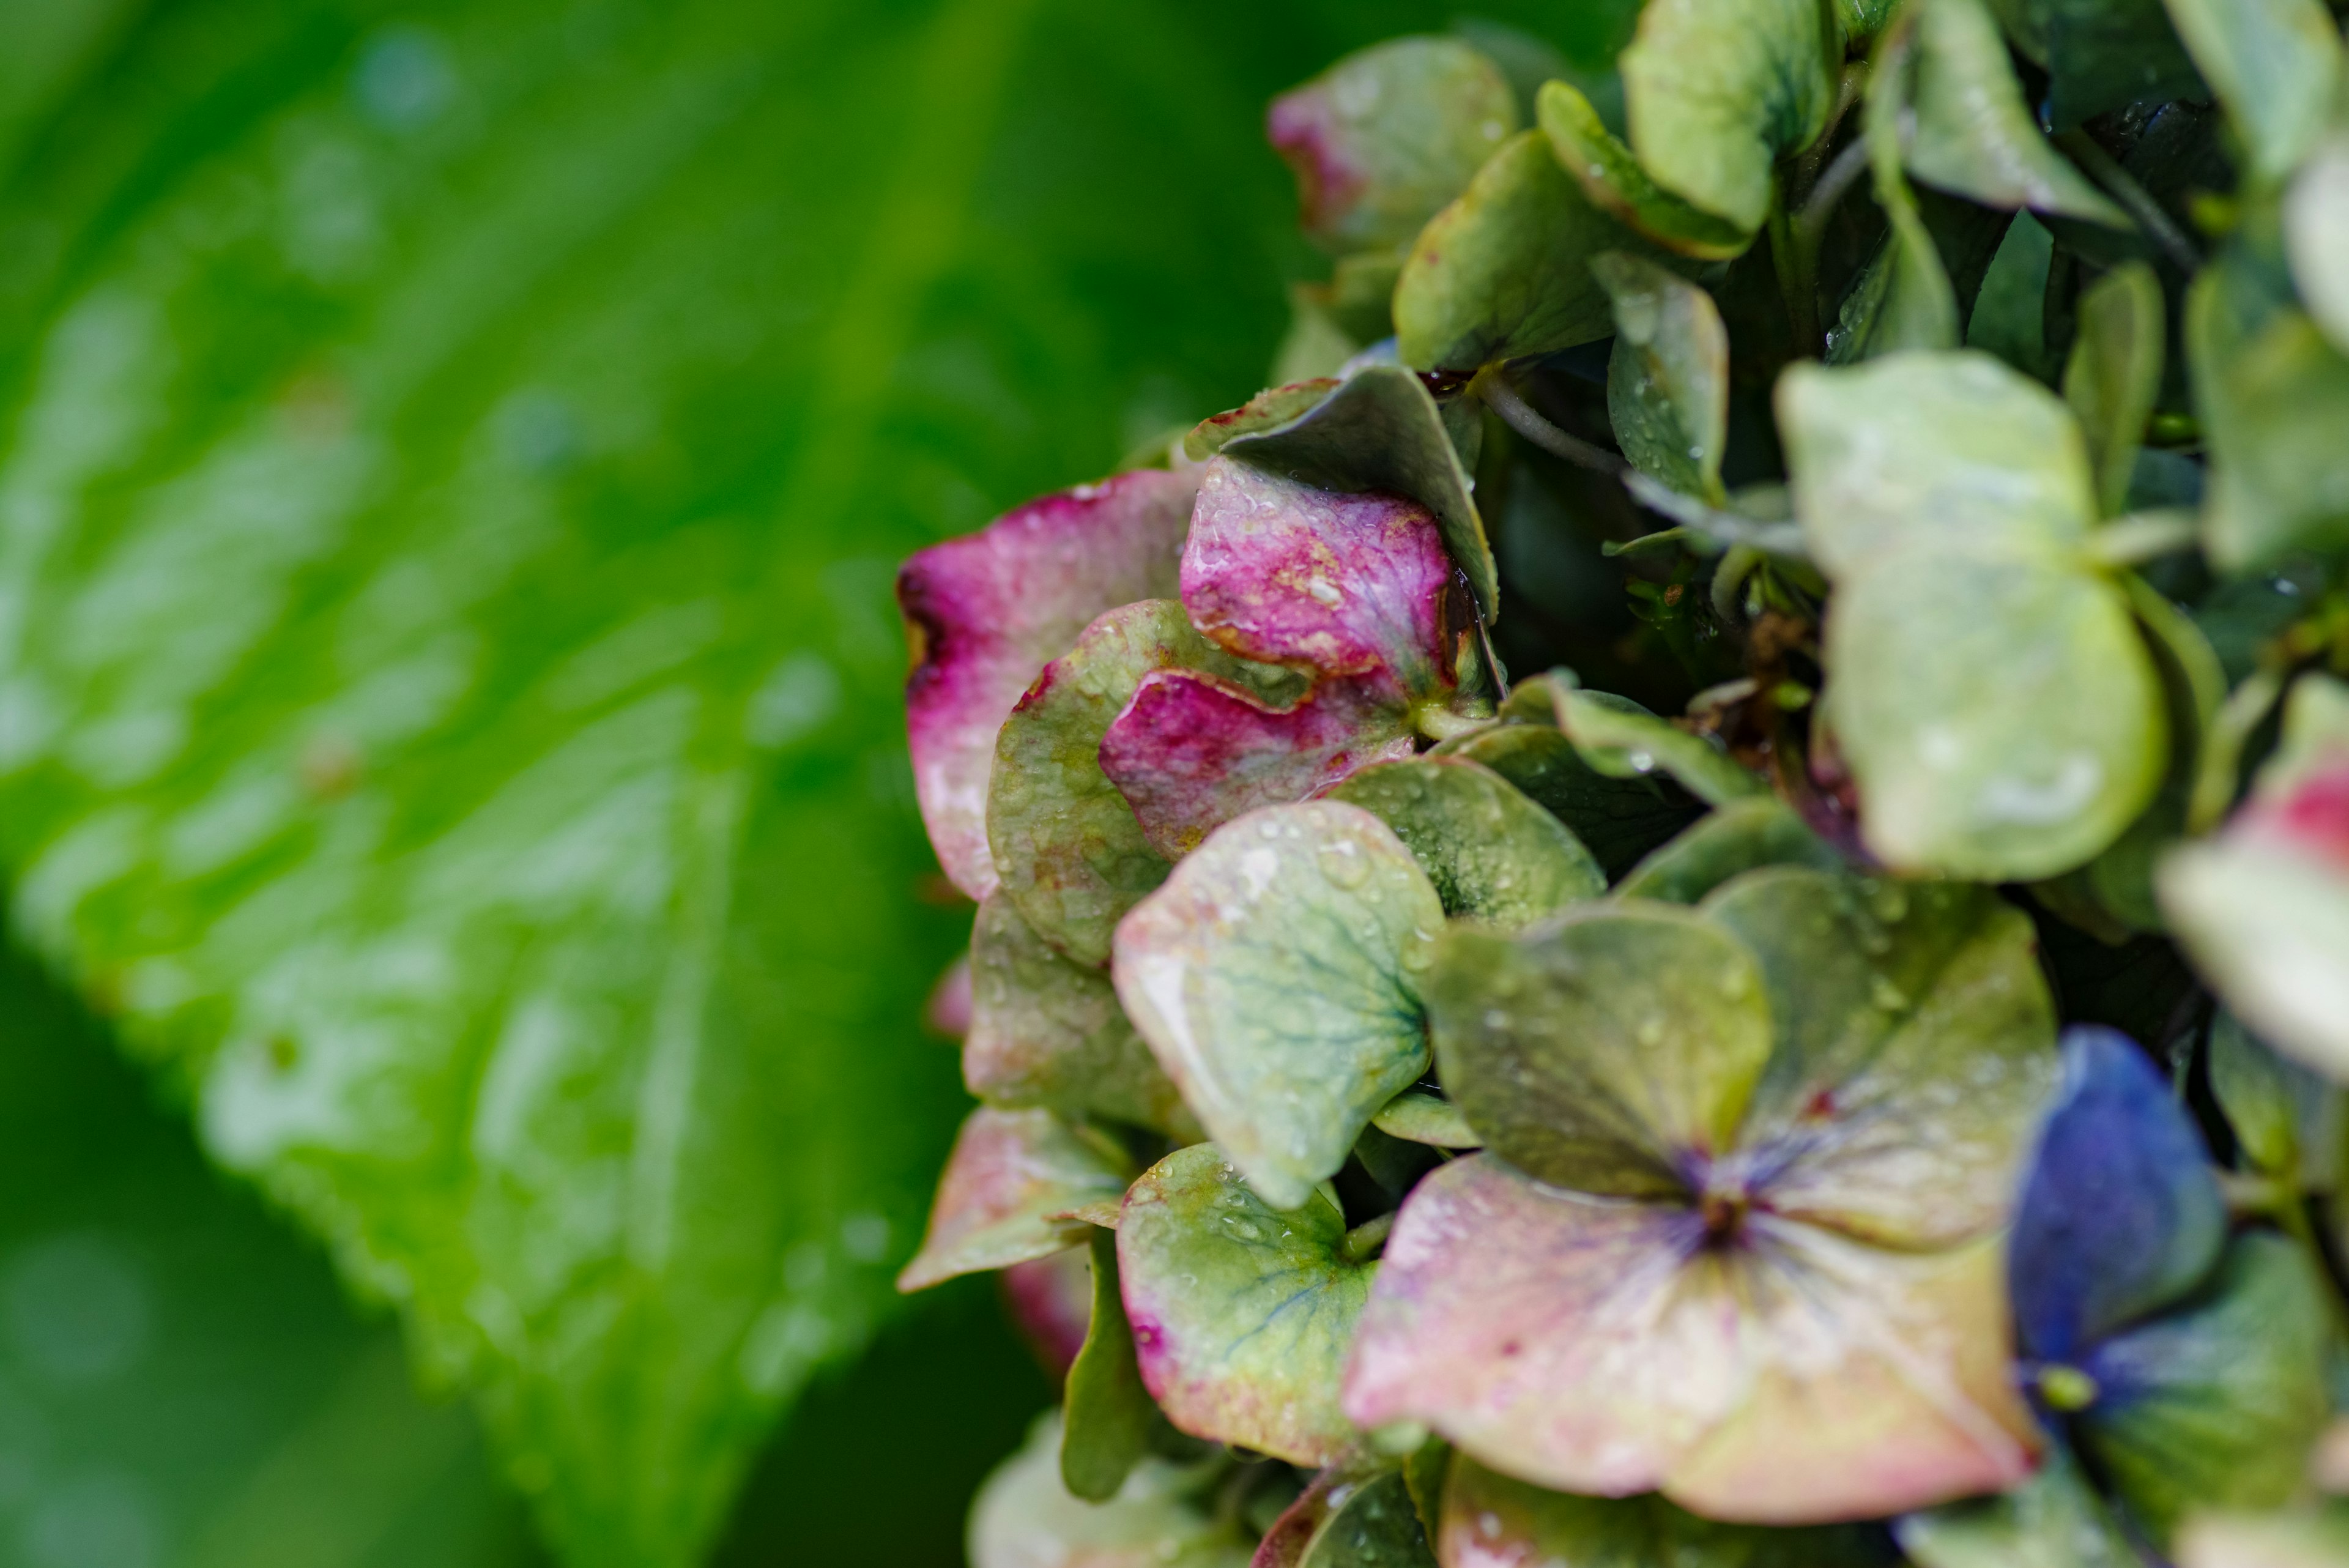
[(1574, 1064), (1007, 1193), (1164, 1517), (1353, 1516), (2218, 1405), (2274, 64), (1277, 976), (2100, 55), (2113, 374), (1737, 836), (2010, 314), (1616, 183), (1046, 1032), (1243, 1313), (1617, 819), (1504, 270), (1073, 859), (2052, 1520), (1716, 91), (1618, 737), (1489, 1518), (1903, 298), (1380, 431), (2316, 236), (1987, 683), (1381, 140), (1491, 852), (1106, 1413), (1668, 377), (1974, 136)]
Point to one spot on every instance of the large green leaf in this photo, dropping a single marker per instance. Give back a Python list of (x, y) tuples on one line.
[(455, 461)]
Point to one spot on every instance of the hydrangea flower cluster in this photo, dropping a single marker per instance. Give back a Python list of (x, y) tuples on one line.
[(1844, 1065)]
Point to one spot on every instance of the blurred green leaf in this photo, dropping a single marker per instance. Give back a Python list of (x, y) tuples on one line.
[(456, 461)]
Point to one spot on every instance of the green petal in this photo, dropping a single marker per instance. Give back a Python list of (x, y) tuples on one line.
[(1277, 977), (2274, 65), (1072, 859), (2052, 1520), (1974, 136), (1916, 1048), (2217, 1406), (2316, 236), (1614, 181), (1010, 1176), (1603, 1053), (2113, 374), (2280, 1112), (1046, 1032), (1490, 851), (1426, 1120), (1903, 299), (1716, 91), (1502, 272), (2101, 53), (1668, 377), (1618, 737), (1106, 1412), (1388, 135), (1382, 432), (1273, 407), (1490, 1519), (1164, 1518), (1243, 1314), (1739, 836), (2298, 1538), (1617, 819), (1349, 1518)]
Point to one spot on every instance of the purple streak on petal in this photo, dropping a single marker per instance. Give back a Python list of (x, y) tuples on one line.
[(2120, 1214), (1190, 752), (1340, 585), (987, 611)]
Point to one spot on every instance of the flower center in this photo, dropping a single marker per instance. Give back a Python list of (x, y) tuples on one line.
[(1722, 1210)]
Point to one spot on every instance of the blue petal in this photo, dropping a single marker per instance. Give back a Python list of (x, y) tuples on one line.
[(2120, 1214)]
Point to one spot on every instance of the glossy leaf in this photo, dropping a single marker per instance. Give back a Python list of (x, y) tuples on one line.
[(1046, 1032), (1381, 140), (1618, 737), (1277, 976), (1243, 1314), (1974, 136), (1072, 857), (1578, 1064), (2216, 1405), (2052, 1520), (1106, 1413), (1490, 852), (1737, 836), (1164, 1518), (1988, 687), (2264, 909), (2113, 374), (2121, 1215), (1493, 1522), (1010, 1174), (988, 612), (1615, 182), (1668, 377), (1716, 91), (2274, 64), (2316, 237), (1380, 432), (1503, 272)]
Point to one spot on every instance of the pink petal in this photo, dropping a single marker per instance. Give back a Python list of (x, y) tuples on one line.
[(1190, 752), (987, 612), (1010, 1176)]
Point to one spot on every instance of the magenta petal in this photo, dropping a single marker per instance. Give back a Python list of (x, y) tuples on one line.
[(1341, 584), (1190, 752), (987, 612)]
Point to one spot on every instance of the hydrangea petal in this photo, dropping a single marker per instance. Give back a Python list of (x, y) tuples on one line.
[(1275, 975), (2299, 1538), (1715, 91), (1915, 1050), (1618, 820), (2216, 1405), (1616, 183), (1741, 836), (1610, 1051), (2052, 1520), (1242, 1313), (1106, 1414), (1191, 752), (1350, 1517), (1974, 136), (2275, 64), (1164, 1518), (987, 612), (1493, 1522), (1010, 1171), (1490, 852), (1049, 1302), (2120, 1214), (1668, 377), (1067, 847), (1617, 736), (1046, 1032), (1388, 135)]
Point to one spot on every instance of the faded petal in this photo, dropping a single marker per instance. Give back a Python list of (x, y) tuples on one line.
[(1009, 1173)]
